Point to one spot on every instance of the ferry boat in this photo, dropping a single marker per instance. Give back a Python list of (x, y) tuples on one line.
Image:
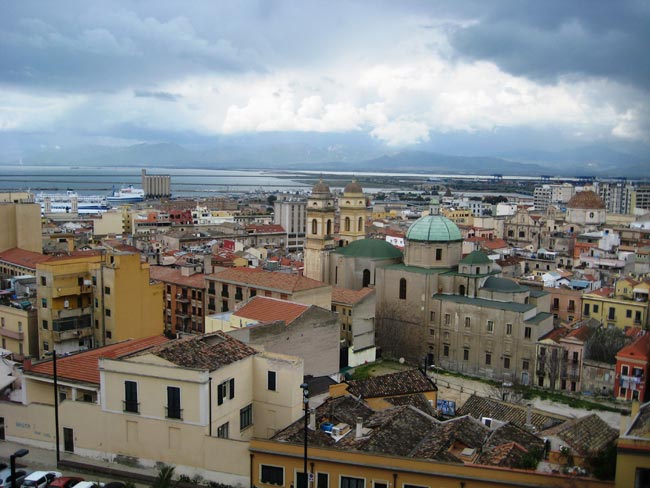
[(69, 201), (128, 194)]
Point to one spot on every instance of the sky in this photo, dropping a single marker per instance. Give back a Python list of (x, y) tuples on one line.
[(404, 74)]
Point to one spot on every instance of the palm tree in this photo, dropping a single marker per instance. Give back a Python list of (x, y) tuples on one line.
[(164, 478)]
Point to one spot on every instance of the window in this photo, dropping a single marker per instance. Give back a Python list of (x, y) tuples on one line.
[(586, 309), (447, 319), (596, 308), (402, 288), (239, 294), (488, 359), (107, 290), (226, 390), (360, 224), (108, 312), (131, 397), (323, 479), (508, 329), (490, 326), (94, 280), (246, 417), (222, 431), (44, 302), (572, 305), (528, 332), (271, 380), (347, 224), (253, 292), (625, 371), (174, 410), (556, 303), (46, 346), (45, 324), (612, 313), (271, 475), (468, 322), (506, 363), (438, 254), (445, 350), (525, 365), (623, 392), (433, 316), (314, 226), (43, 281), (465, 354), (350, 482)]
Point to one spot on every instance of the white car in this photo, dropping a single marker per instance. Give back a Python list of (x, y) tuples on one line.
[(89, 484), (40, 479)]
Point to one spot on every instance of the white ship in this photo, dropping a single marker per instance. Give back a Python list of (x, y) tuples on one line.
[(71, 202), (126, 195)]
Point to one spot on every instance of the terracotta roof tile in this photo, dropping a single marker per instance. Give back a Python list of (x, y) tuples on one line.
[(265, 228), (400, 383), (84, 366), (585, 434), (167, 274), (348, 296), (21, 257), (555, 334), (639, 349), (258, 278), (266, 309)]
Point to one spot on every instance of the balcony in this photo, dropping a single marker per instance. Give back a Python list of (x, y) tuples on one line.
[(182, 313), (174, 413), (225, 294), (73, 312), (182, 298), (12, 334), (65, 291), (66, 335), (130, 406)]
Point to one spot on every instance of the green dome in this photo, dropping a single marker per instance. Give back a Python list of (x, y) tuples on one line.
[(503, 285), (434, 228), (476, 257), (370, 248)]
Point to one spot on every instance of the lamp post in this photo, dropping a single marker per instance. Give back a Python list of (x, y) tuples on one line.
[(305, 400), (12, 462)]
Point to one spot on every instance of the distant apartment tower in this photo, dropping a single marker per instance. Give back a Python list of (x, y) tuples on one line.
[(547, 195), (617, 197), (156, 186), (291, 214), (641, 198)]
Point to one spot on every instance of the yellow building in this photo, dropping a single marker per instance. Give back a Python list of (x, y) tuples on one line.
[(633, 449), (319, 239), (624, 306), (20, 226), (194, 403), (18, 329), (460, 216), (91, 299), (353, 214)]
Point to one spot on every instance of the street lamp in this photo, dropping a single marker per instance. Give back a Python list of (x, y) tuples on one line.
[(305, 400), (12, 461)]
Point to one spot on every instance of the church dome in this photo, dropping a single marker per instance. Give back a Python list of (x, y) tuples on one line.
[(434, 228), (353, 187), (586, 199), (370, 248), (321, 187)]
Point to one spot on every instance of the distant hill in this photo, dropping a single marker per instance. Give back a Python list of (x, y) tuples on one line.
[(239, 154)]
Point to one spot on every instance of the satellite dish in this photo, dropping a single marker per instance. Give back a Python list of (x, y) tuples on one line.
[(401, 360)]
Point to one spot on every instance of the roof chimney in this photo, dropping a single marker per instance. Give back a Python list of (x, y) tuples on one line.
[(27, 364), (359, 431)]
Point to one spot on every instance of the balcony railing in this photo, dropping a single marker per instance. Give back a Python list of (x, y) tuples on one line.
[(224, 293), (131, 406), (174, 413), (182, 298), (67, 335), (12, 334)]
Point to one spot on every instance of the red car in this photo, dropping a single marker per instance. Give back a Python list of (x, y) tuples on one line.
[(65, 482)]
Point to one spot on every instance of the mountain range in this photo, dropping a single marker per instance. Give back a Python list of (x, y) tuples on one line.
[(232, 154)]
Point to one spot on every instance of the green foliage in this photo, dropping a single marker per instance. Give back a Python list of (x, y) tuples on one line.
[(164, 478), (603, 463), (605, 343), (271, 200), (530, 459), (494, 199)]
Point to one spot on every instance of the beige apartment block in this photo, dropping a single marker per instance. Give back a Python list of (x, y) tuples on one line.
[(20, 226), (19, 330)]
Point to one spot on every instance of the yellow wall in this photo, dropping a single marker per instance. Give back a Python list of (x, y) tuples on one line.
[(18, 331), (627, 461), (111, 222), (621, 307), (20, 226)]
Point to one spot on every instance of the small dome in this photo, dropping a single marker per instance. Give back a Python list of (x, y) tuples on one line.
[(370, 248), (353, 187), (476, 257), (586, 199), (321, 187), (434, 228), (503, 285)]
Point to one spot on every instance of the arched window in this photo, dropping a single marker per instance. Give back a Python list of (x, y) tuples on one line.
[(402, 289), (360, 228), (347, 224), (461, 290), (329, 227), (366, 277), (314, 226)]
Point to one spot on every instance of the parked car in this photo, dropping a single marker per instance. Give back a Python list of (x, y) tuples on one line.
[(89, 484), (115, 484), (65, 482), (5, 477), (40, 479)]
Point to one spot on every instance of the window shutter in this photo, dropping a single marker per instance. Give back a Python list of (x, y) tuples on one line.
[(232, 388), (220, 394)]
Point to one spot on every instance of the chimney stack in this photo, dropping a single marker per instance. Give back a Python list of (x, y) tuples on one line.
[(359, 431)]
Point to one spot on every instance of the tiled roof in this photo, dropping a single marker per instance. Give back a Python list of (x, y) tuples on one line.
[(75, 255), (508, 455), (639, 349), (479, 407), (209, 352), (585, 434), (268, 279), (84, 366), (555, 334), (266, 309), (21, 257), (580, 333), (641, 423), (348, 296), (510, 432), (168, 274), (494, 244), (586, 199), (265, 228), (464, 430), (400, 383), (602, 292), (417, 400)]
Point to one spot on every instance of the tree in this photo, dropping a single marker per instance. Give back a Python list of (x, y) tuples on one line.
[(603, 463), (164, 478), (271, 200), (494, 199), (604, 344)]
